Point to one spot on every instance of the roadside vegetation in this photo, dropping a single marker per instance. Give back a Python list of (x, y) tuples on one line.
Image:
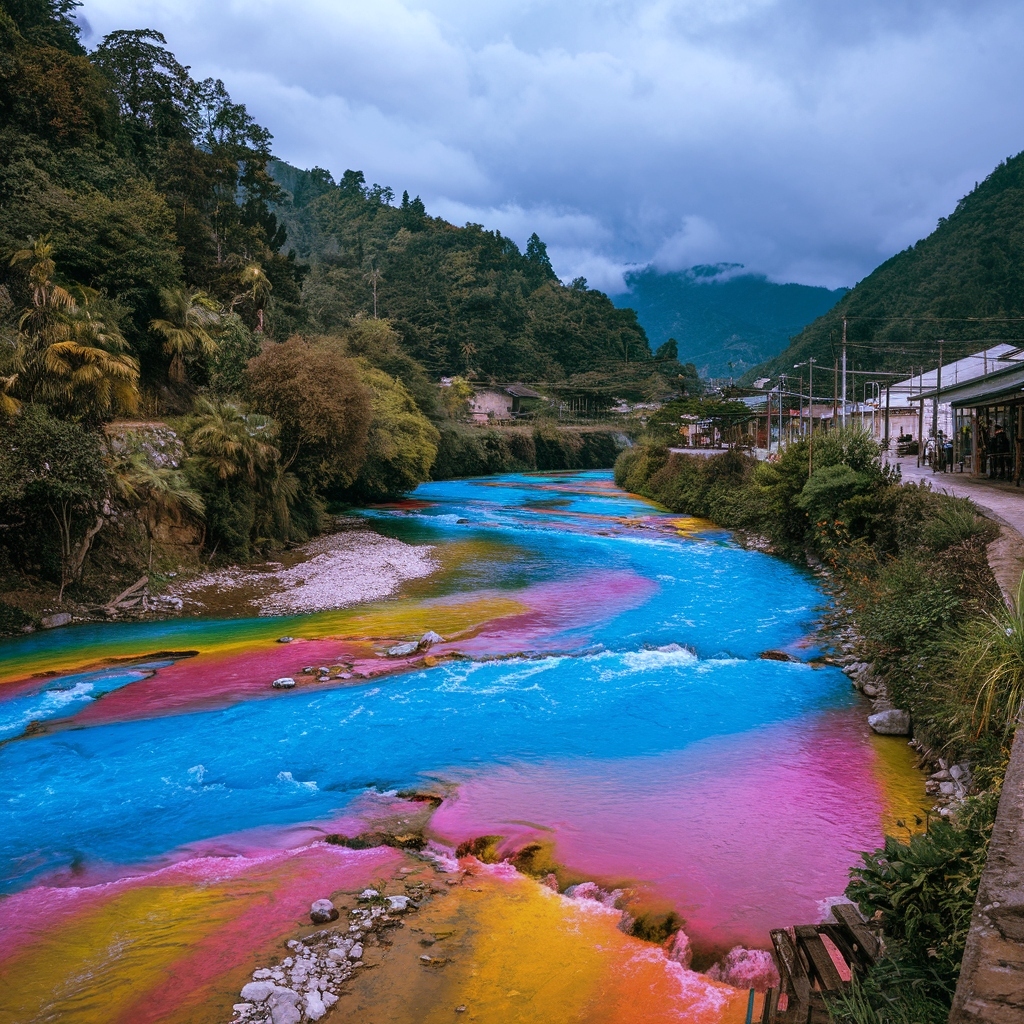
[(907, 567)]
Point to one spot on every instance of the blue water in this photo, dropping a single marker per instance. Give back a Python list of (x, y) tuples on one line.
[(128, 792)]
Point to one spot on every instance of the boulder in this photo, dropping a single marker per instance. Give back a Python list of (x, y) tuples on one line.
[(403, 650), (678, 948), (430, 638), (893, 722), (398, 904), (284, 683), (283, 1006), (322, 911), (315, 1008), (53, 621), (285, 639), (258, 991), (746, 969)]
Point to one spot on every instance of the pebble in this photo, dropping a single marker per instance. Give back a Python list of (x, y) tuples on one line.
[(284, 683), (398, 904), (322, 911), (402, 650)]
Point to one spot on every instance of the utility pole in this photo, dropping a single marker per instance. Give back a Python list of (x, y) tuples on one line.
[(844, 371), (835, 391), (935, 411), (887, 390), (810, 417)]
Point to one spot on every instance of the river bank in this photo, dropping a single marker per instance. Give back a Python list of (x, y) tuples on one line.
[(625, 741)]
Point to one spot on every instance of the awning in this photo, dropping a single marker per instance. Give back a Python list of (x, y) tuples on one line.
[(992, 389)]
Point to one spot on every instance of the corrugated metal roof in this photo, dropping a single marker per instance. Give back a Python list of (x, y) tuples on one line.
[(985, 390)]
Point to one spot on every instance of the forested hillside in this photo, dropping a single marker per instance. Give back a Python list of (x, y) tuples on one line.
[(971, 267), (724, 320), (464, 300), (280, 337)]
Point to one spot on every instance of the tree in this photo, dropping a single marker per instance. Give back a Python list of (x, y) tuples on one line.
[(189, 327), (71, 356), (54, 471), (321, 405), (402, 444)]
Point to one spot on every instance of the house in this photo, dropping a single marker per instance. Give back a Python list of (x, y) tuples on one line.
[(499, 401)]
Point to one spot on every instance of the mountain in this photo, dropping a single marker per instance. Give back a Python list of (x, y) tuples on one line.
[(970, 268), (724, 321), (462, 299)]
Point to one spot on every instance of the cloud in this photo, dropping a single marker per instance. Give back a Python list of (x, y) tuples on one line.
[(808, 141)]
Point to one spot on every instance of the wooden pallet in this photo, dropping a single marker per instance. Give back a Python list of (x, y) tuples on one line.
[(809, 969)]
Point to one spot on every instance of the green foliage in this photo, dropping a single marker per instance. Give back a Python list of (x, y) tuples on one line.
[(722, 414), (462, 300), (401, 444), (985, 684), (52, 478), (321, 406), (924, 890)]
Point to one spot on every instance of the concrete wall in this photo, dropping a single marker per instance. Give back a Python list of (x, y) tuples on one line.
[(991, 987)]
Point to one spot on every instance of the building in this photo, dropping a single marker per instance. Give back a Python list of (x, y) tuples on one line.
[(908, 407), (499, 402)]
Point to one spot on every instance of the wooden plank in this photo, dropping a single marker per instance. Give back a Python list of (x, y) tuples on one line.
[(824, 969), (850, 920), (771, 1001), (799, 984), (845, 945)]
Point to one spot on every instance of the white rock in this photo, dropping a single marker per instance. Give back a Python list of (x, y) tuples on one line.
[(402, 650), (329, 999), (284, 683), (258, 991), (322, 911), (947, 788), (242, 1007), (262, 973), (356, 952), (368, 894), (285, 639), (893, 722), (284, 1006), (398, 904), (430, 638), (337, 956), (315, 1008)]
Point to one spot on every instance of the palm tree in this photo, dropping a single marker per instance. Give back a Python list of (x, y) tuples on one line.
[(138, 481), (259, 288), (68, 355), (190, 324), (231, 442)]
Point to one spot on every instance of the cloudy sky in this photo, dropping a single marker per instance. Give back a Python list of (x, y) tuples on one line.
[(806, 139)]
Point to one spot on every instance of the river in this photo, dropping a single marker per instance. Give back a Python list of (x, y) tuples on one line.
[(599, 698)]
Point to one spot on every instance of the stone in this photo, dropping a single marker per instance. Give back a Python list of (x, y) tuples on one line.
[(679, 949), (430, 638), (869, 690), (322, 911), (893, 722), (285, 639), (337, 955), (329, 999), (670, 649), (284, 683), (398, 904), (368, 894), (53, 621), (403, 650), (584, 891), (315, 1008), (261, 974), (356, 952), (746, 969), (283, 1007), (242, 1007), (460, 1009), (947, 788), (258, 991)]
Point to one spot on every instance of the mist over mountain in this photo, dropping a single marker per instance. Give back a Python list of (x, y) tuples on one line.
[(724, 320), (963, 283)]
